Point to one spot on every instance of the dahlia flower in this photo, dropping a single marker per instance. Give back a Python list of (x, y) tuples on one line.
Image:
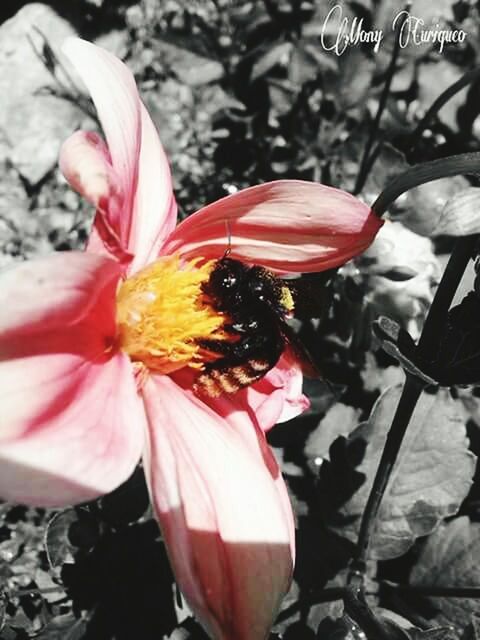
[(99, 350)]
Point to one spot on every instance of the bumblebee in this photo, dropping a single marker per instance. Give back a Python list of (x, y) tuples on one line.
[(257, 304)]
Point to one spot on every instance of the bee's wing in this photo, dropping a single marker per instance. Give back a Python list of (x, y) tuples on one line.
[(311, 298), (311, 294), (303, 355)]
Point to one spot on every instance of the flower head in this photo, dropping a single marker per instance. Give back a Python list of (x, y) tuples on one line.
[(100, 349)]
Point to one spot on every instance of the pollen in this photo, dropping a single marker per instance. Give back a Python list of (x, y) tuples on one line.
[(286, 299), (163, 315)]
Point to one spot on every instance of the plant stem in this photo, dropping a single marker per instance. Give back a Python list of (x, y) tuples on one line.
[(443, 98), (368, 162), (426, 350), (27, 592), (329, 594), (461, 164), (373, 627), (411, 392), (434, 323), (364, 164), (432, 591)]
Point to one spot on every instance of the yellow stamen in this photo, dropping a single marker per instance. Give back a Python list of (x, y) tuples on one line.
[(162, 313)]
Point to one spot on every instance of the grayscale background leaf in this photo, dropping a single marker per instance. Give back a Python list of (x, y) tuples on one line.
[(431, 477), (450, 559)]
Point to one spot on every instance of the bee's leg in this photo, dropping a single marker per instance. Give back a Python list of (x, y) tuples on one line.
[(222, 347), (264, 348)]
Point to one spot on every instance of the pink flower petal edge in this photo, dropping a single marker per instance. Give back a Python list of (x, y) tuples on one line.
[(52, 292), (65, 437), (276, 398), (227, 524), (286, 226), (282, 386), (134, 180)]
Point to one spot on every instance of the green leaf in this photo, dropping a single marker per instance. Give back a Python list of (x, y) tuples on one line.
[(450, 559), (429, 481)]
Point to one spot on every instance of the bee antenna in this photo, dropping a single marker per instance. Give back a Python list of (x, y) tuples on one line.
[(228, 232)]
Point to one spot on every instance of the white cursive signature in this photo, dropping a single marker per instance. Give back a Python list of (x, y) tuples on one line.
[(412, 30), (350, 32), (347, 35)]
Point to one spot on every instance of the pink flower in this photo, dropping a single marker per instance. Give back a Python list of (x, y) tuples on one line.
[(96, 362)]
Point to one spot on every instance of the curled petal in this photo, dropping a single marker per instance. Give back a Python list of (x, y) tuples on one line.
[(144, 211), (71, 421), (85, 162), (114, 93), (278, 396), (288, 225), (227, 525)]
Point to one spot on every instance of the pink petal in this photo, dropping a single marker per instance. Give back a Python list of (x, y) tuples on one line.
[(52, 292), (71, 423), (144, 210), (155, 210), (85, 163), (226, 523), (278, 396), (288, 225)]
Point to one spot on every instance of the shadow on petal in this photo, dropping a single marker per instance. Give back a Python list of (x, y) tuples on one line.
[(237, 592), (223, 509)]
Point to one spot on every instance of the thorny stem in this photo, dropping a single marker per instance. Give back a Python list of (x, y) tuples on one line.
[(411, 392), (364, 164)]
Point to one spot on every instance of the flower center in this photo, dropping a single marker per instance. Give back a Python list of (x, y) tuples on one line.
[(162, 314)]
